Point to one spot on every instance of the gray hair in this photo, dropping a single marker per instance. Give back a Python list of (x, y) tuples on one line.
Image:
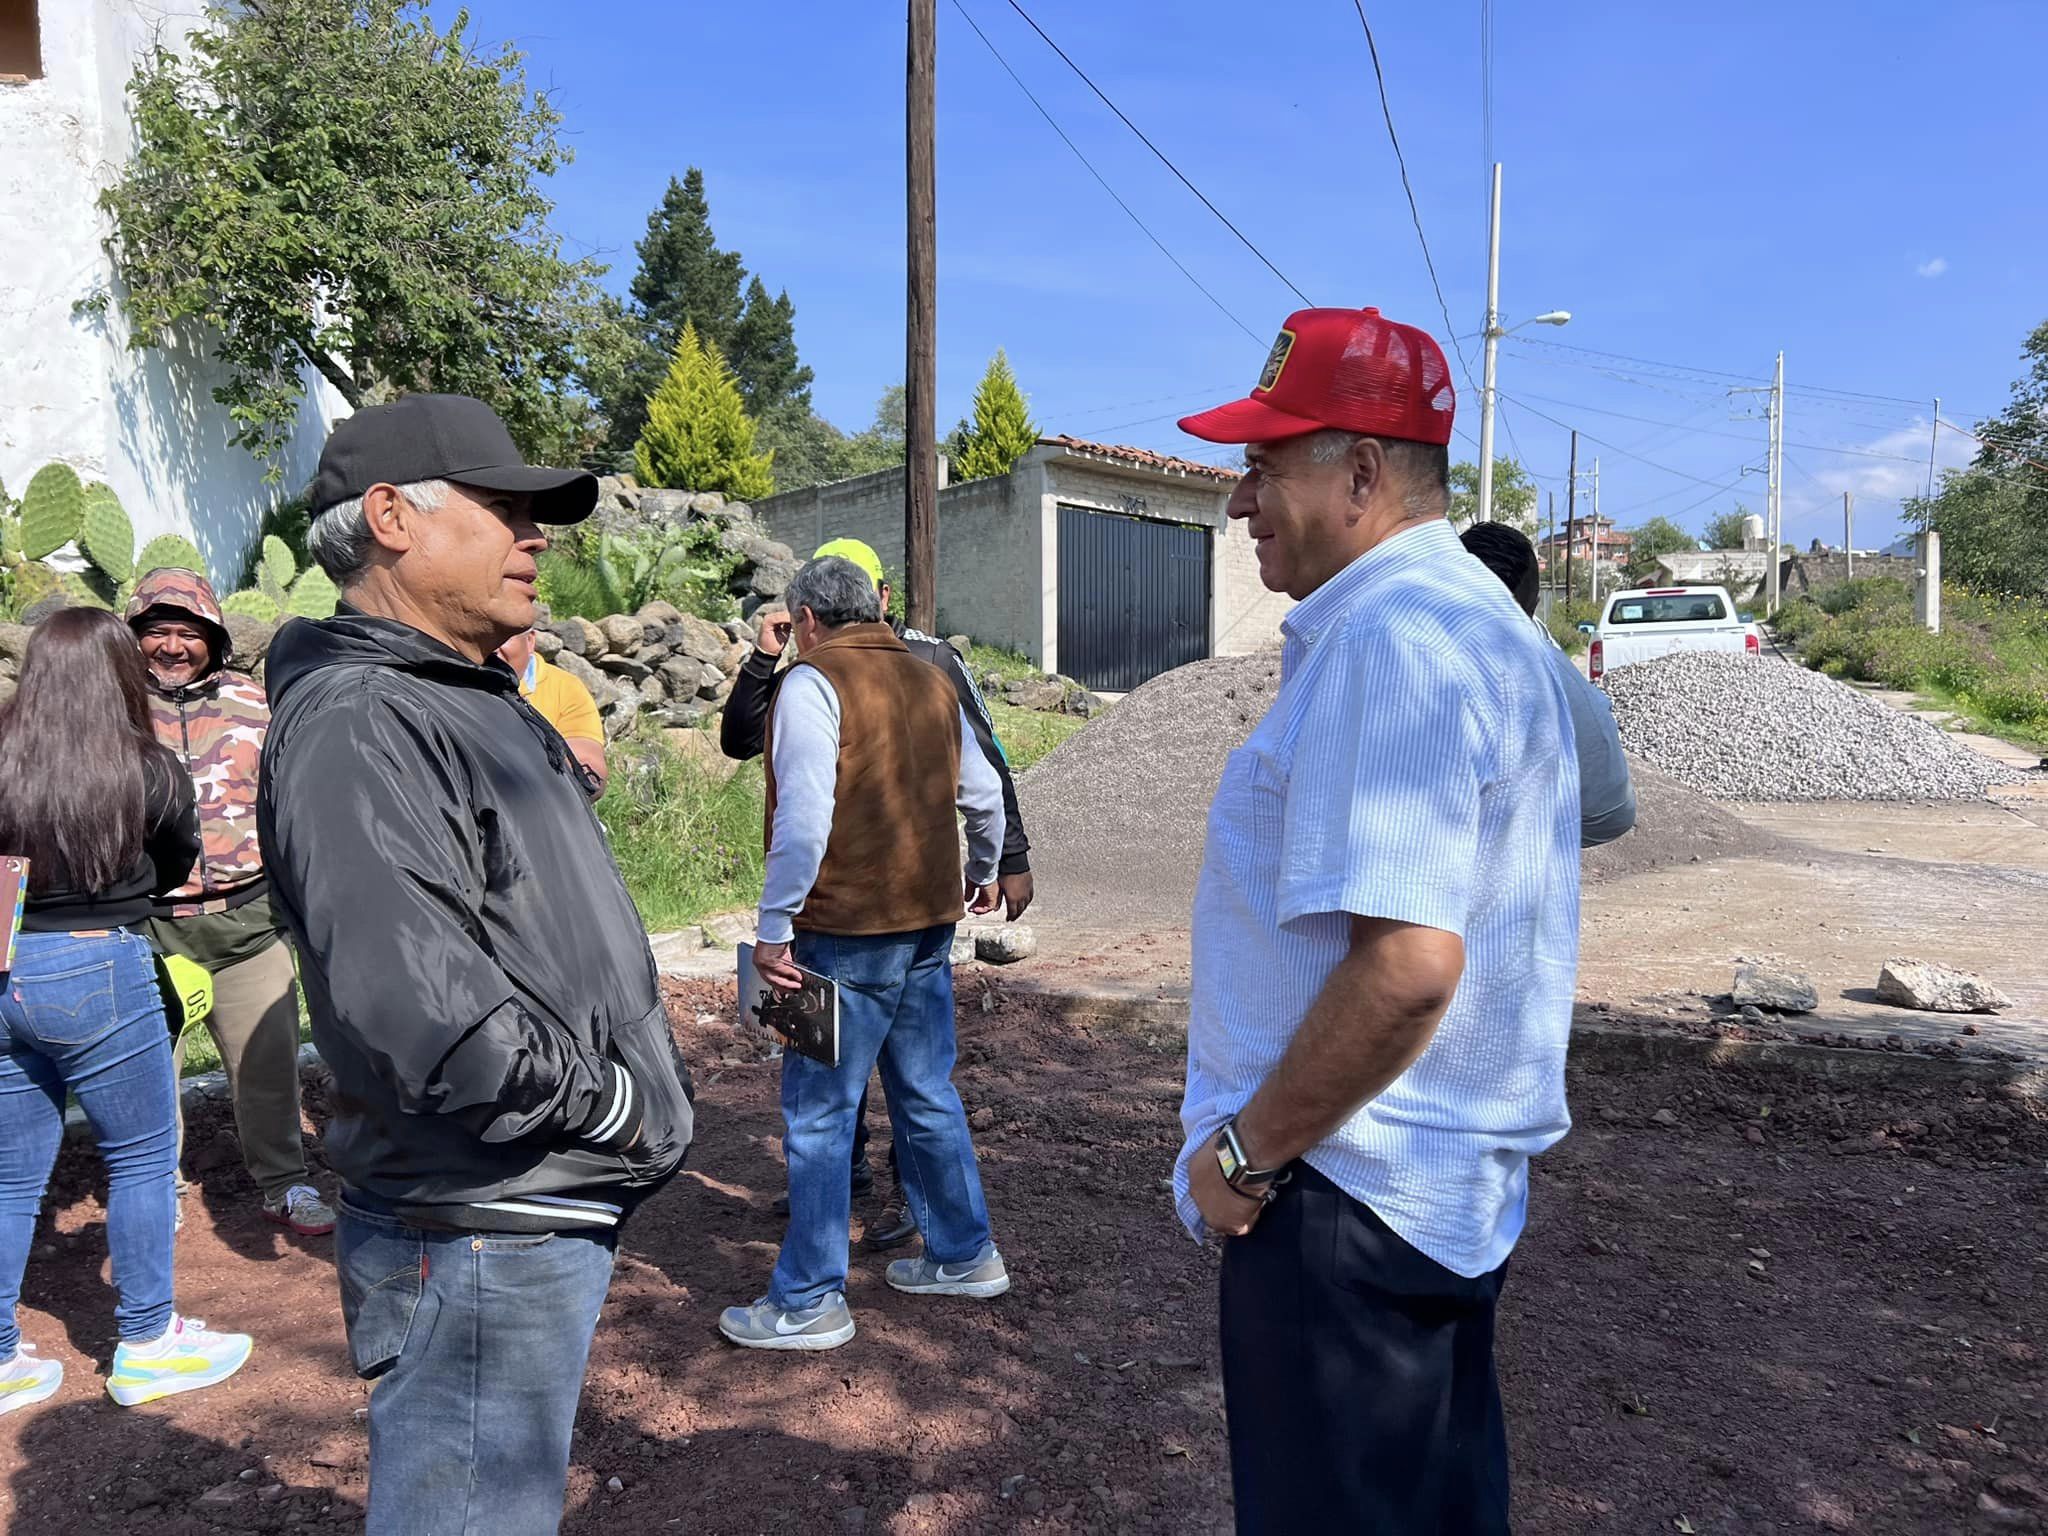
[(1423, 468), (837, 592), (340, 537)]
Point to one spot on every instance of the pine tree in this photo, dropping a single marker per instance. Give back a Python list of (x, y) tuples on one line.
[(698, 435), (1002, 431), (684, 278), (763, 353)]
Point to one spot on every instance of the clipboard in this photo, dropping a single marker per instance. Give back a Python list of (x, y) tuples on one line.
[(807, 1020)]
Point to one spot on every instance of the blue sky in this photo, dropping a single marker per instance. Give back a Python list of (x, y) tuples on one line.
[(1700, 186)]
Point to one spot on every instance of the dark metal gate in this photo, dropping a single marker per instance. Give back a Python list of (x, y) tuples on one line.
[(1133, 598)]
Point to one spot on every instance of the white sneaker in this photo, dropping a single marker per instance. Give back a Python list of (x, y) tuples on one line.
[(186, 1358), (25, 1380), (303, 1211)]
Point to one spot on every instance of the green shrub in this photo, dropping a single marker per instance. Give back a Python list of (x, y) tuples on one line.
[(1563, 621), (686, 844), (593, 575), (1864, 592)]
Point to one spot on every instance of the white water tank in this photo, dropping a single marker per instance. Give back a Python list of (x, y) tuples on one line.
[(1753, 532)]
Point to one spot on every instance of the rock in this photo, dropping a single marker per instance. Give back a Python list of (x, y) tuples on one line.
[(681, 676), (683, 715), (14, 641), (652, 655), (712, 683), (615, 1485), (621, 631), (701, 748), (1044, 695), (626, 667), (654, 632), (961, 644), (1758, 986), (1665, 1117), (604, 689), (983, 1119), (43, 607), (707, 502), (582, 638), (547, 644), (1753, 1135), (1751, 1014), (659, 612), (1084, 705), (248, 639), (738, 631), (1006, 945), (1936, 989), (853, 1519), (733, 657), (700, 639), (218, 1494), (772, 579), (7, 686), (664, 506), (653, 692), (963, 947), (618, 491)]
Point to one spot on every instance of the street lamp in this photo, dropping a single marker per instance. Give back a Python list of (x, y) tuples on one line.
[(1493, 334)]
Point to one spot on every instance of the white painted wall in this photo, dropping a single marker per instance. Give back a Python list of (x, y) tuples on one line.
[(70, 386)]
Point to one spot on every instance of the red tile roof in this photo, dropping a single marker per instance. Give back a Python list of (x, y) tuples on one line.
[(1143, 458)]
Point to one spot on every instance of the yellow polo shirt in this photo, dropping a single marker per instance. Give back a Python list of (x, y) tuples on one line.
[(562, 701)]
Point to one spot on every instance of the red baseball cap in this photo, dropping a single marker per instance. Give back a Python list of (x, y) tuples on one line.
[(1349, 369)]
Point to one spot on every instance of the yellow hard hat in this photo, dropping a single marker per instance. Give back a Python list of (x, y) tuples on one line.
[(859, 553)]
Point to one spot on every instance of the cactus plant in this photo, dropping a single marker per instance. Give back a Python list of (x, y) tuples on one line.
[(106, 535), (278, 562), (313, 596), (251, 604), (81, 591), (52, 510), (10, 539), (33, 581), (170, 551)]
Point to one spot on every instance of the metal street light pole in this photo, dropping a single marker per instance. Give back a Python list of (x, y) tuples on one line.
[(1493, 333)]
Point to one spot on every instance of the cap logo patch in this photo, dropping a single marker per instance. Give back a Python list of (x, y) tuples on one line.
[(1276, 360)]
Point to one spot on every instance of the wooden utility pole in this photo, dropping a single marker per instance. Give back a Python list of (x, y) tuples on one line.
[(1550, 564), (1571, 502), (920, 372)]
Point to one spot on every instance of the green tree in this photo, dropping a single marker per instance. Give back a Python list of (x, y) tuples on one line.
[(1000, 431), (339, 186), (698, 435), (1725, 530), (1514, 496), (1650, 543), (1993, 516), (763, 353)]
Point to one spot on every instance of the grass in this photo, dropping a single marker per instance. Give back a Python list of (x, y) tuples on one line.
[(1008, 665), (687, 844), (1027, 735), (1989, 665)]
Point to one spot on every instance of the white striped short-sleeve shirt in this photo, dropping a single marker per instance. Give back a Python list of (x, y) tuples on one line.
[(1416, 765)]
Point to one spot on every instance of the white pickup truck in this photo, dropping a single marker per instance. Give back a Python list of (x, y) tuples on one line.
[(1643, 624)]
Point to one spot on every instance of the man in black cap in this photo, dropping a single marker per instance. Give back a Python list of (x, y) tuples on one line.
[(506, 1088)]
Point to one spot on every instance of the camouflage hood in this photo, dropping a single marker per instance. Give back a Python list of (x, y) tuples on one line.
[(168, 591)]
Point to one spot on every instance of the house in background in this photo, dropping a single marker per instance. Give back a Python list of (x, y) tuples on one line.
[(1107, 564), (145, 422)]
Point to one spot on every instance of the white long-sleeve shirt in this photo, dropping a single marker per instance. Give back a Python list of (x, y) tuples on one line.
[(805, 746)]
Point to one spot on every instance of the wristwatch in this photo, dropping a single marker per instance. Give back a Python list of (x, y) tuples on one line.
[(1238, 1172)]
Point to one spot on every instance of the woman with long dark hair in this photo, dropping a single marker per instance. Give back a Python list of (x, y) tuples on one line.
[(105, 818)]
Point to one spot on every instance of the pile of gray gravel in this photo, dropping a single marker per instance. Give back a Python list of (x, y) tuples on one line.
[(1755, 728), (1118, 811)]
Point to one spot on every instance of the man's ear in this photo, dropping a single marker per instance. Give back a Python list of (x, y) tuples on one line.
[(1368, 464), (391, 518)]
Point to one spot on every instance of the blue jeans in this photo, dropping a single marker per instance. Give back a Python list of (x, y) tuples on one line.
[(895, 1007), (83, 1014), (477, 1342)]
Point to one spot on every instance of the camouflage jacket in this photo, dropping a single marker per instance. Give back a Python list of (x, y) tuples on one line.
[(216, 726)]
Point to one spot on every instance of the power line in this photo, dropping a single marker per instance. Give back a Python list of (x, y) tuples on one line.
[(1589, 437), (1414, 212), (1861, 453), (1156, 150), (1056, 128)]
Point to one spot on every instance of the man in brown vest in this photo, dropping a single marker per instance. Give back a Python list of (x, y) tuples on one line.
[(864, 884)]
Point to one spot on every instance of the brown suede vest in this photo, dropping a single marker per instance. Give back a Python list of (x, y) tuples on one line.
[(892, 863)]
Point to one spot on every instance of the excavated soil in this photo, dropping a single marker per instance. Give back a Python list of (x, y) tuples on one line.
[(1747, 1301)]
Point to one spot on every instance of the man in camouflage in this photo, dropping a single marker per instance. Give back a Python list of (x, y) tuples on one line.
[(215, 720)]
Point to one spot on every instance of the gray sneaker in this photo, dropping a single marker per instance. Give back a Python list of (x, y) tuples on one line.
[(766, 1326), (922, 1276)]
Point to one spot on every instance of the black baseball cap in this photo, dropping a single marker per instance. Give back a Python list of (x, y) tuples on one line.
[(442, 437)]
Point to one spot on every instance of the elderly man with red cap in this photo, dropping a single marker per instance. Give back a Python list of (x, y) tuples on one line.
[(1385, 939)]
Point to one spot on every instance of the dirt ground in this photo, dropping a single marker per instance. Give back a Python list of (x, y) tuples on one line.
[(1748, 1300)]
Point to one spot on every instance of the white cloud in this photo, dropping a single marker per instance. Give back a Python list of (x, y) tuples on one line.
[(1933, 268), (1815, 478)]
